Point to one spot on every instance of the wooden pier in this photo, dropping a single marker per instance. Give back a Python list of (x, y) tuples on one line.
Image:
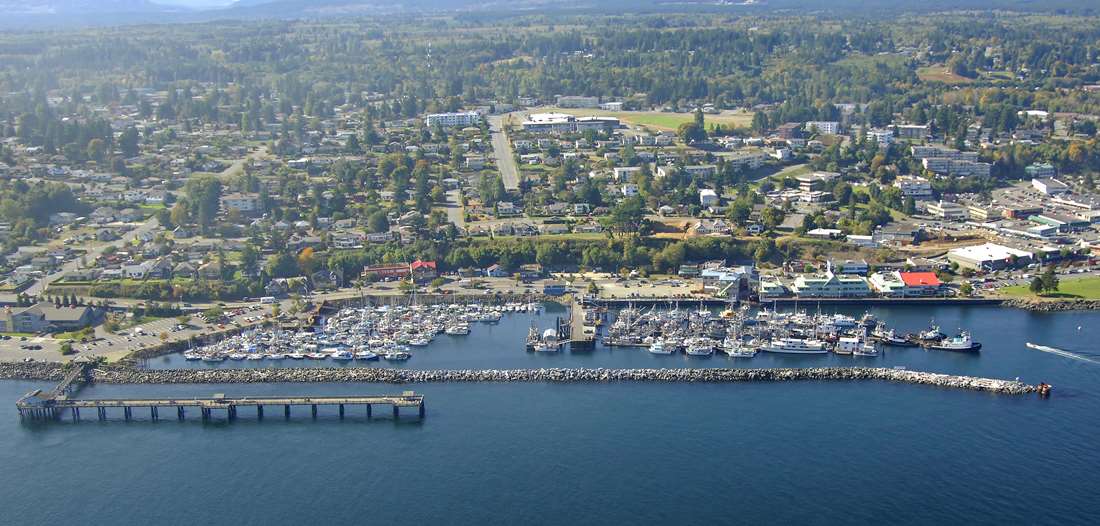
[(52, 404)]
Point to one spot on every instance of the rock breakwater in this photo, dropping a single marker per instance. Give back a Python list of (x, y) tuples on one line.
[(1053, 305), (130, 375)]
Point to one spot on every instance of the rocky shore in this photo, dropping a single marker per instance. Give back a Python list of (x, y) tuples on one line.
[(129, 375), (1052, 305)]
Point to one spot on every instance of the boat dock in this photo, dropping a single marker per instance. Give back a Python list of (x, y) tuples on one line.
[(582, 327), (52, 404)]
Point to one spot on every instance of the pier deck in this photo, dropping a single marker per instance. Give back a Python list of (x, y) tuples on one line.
[(50, 405)]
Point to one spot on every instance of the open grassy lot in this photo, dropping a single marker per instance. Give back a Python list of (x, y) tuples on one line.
[(661, 120), (939, 73), (1073, 288)]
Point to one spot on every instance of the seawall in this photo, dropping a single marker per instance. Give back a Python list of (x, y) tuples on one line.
[(129, 375)]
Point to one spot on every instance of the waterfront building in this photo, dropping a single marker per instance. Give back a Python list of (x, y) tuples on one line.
[(830, 285)]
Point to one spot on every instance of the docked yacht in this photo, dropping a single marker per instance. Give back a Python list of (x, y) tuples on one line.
[(295, 355), (276, 356), (191, 356), (366, 355), (737, 349), (890, 337), (213, 358), (795, 346)]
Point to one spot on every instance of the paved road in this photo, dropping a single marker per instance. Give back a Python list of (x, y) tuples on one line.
[(39, 286), (455, 214), (502, 152)]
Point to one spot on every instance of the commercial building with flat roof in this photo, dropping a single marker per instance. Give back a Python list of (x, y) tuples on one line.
[(989, 256)]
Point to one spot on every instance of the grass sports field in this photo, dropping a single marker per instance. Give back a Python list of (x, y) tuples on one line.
[(660, 120), (1075, 288)]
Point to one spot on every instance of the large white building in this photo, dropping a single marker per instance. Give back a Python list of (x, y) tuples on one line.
[(915, 187), (949, 211), (824, 127), (708, 197), (989, 256), (565, 123), (243, 203), (830, 285), (448, 120)]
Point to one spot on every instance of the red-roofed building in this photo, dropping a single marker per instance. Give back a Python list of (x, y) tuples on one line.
[(423, 270), (419, 270), (921, 283)]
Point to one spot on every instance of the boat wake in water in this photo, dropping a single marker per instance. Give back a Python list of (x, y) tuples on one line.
[(1063, 353)]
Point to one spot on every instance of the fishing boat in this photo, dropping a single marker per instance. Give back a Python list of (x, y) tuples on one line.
[(366, 355), (737, 349), (458, 329), (295, 355), (795, 346), (342, 355), (930, 335), (960, 343), (191, 356), (866, 349), (276, 356), (316, 355), (237, 356), (659, 347), (699, 347), (891, 337), (255, 357), (397, 356)]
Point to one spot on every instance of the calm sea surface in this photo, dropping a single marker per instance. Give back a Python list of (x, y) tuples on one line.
[(803, 453)]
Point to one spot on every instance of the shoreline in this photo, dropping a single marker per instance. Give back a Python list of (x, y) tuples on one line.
[(133, 376)]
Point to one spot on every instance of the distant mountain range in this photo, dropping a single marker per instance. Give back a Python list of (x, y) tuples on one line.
[(59, 13)]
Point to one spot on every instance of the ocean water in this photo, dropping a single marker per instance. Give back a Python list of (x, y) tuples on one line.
[(804, 453)]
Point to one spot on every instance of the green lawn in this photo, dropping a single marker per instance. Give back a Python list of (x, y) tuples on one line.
[(1073, 288)]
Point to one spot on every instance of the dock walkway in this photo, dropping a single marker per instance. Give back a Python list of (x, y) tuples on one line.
[(50, 405)]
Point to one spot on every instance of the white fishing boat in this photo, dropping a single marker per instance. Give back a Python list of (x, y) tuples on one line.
[(296, 355), (342, 355), (659, 347), (867, 349), (366, 355), (397, 356), (699, 347), (191, 356)]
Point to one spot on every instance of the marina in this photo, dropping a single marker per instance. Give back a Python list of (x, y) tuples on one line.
[(361, 334), (404, 335)]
